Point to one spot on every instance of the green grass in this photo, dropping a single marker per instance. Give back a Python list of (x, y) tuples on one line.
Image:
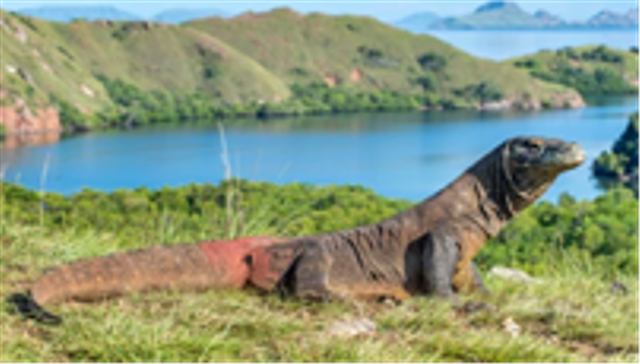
[(571, 317)]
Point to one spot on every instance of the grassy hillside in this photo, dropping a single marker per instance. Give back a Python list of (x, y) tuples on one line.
[(304, 49), (60, 58), (250, 60), (592, 70), (578, 249)]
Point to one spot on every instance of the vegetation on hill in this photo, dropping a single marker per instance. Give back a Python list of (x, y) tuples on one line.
[(577, 248), (596, 70), (253, 64), (619, 167)]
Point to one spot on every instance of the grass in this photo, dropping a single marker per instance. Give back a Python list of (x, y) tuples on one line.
[(570, 317)]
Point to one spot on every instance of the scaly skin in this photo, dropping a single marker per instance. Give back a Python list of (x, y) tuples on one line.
[(427, 249)]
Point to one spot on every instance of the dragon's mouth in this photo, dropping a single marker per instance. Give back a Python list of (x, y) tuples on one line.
[(570, 156)]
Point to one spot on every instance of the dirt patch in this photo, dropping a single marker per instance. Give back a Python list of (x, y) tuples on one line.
[(356, 75), (209, 46), (331, 81)]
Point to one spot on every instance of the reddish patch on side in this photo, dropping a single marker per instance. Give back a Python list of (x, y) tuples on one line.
[(270, 263), (230, 258)]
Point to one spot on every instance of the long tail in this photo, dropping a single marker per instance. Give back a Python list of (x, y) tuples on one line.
[(187, 267)]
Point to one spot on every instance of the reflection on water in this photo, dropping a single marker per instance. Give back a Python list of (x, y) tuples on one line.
[(26, 140)]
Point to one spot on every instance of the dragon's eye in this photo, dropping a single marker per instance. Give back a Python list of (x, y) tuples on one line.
[(533, 146)]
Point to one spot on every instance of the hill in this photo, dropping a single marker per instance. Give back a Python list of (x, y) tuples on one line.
[(178, 15), (418, 22), (610, 19), (280, 62), (592, 70), (493, 15), (67, 13)]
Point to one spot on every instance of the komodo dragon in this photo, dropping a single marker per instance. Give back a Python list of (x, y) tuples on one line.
[(427, 249)]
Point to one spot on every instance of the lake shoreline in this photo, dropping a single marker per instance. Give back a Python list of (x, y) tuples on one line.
[(406, 155), (48, 136)]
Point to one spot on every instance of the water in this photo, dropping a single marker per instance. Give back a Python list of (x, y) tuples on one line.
[(501, 45), (407, 155)]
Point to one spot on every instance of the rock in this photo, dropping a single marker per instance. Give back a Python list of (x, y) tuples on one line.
[(20, 119), (511, 327), (514, 275), (89, 92), (350, 328), (495, 105)]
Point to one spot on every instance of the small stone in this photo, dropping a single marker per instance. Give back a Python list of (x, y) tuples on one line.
[(511, 327), (514, 275), (350, 328)]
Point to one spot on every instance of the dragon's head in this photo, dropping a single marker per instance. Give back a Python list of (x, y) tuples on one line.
[(532, 163)]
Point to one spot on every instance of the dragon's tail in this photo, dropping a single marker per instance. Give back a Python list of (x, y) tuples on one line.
[(179, 267)]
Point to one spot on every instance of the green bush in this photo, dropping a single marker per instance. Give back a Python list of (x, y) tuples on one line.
[(620, 166)]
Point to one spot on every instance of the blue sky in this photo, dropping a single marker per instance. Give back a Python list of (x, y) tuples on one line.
[(387, 10)]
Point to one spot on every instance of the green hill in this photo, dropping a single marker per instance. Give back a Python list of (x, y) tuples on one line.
[(279, 62), (620, 166), (592, 70)]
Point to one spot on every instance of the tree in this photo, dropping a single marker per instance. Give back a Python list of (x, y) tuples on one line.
[(432, 62)]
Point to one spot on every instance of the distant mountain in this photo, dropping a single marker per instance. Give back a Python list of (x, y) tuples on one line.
[(67, 13), (493, 15), (609, 19), (418, 22), (548, 19), (177, 16), (508, 15)]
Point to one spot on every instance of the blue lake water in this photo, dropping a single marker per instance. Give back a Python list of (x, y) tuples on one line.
[(501, 45), (403, 155)]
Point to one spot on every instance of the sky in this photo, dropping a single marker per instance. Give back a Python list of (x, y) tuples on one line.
[(385, 10)]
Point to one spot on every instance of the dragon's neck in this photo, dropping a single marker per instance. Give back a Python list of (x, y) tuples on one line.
[(484, 195)]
